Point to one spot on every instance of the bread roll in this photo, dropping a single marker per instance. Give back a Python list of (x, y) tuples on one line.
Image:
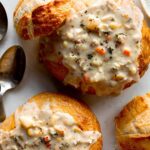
[(133, 124), (51, 121), (34, 18), (100, 50)]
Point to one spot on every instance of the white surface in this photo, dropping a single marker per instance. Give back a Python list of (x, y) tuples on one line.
[(146, 6), (37, 80)]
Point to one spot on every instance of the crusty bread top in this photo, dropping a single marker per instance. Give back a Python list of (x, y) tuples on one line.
[(34, 18), (80, 112), (133, 125), (134, 119)]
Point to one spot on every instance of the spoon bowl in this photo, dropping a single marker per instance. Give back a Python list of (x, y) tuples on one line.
[(12, 67), (3, 22)]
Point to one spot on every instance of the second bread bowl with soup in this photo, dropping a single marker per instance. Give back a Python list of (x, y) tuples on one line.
[(51, 121)]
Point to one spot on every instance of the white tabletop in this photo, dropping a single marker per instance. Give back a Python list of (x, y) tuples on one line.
[(36, 80)]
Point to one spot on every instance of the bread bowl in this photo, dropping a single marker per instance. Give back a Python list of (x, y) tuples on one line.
[(102, 49), (34, 18), (51, 121), (133, 124)]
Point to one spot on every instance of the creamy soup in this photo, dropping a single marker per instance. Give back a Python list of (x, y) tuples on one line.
[(100, 46), (46, 129)]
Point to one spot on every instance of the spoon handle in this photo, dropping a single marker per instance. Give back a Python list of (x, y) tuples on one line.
[(2, 111)]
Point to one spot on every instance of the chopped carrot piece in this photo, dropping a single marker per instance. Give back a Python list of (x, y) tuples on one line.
[(100, 51), (86, 77), (126, 52)]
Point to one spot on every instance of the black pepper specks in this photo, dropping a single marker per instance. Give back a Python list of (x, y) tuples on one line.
[(110, 50), (86, 12), (106, 33), (112, 19), (89, 56), (110, 57), (82, 25), (101, 44)]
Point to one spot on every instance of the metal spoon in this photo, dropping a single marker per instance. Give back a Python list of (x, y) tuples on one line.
[(3, 22), (12, 67)]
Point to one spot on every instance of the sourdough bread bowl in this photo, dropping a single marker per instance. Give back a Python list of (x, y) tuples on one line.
[(133, 124), (99, 47), (100, 50), (54, 121)]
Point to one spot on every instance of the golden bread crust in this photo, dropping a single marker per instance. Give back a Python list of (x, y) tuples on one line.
[(81, 113), (144, 59), (133, 124), (42, 20)]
